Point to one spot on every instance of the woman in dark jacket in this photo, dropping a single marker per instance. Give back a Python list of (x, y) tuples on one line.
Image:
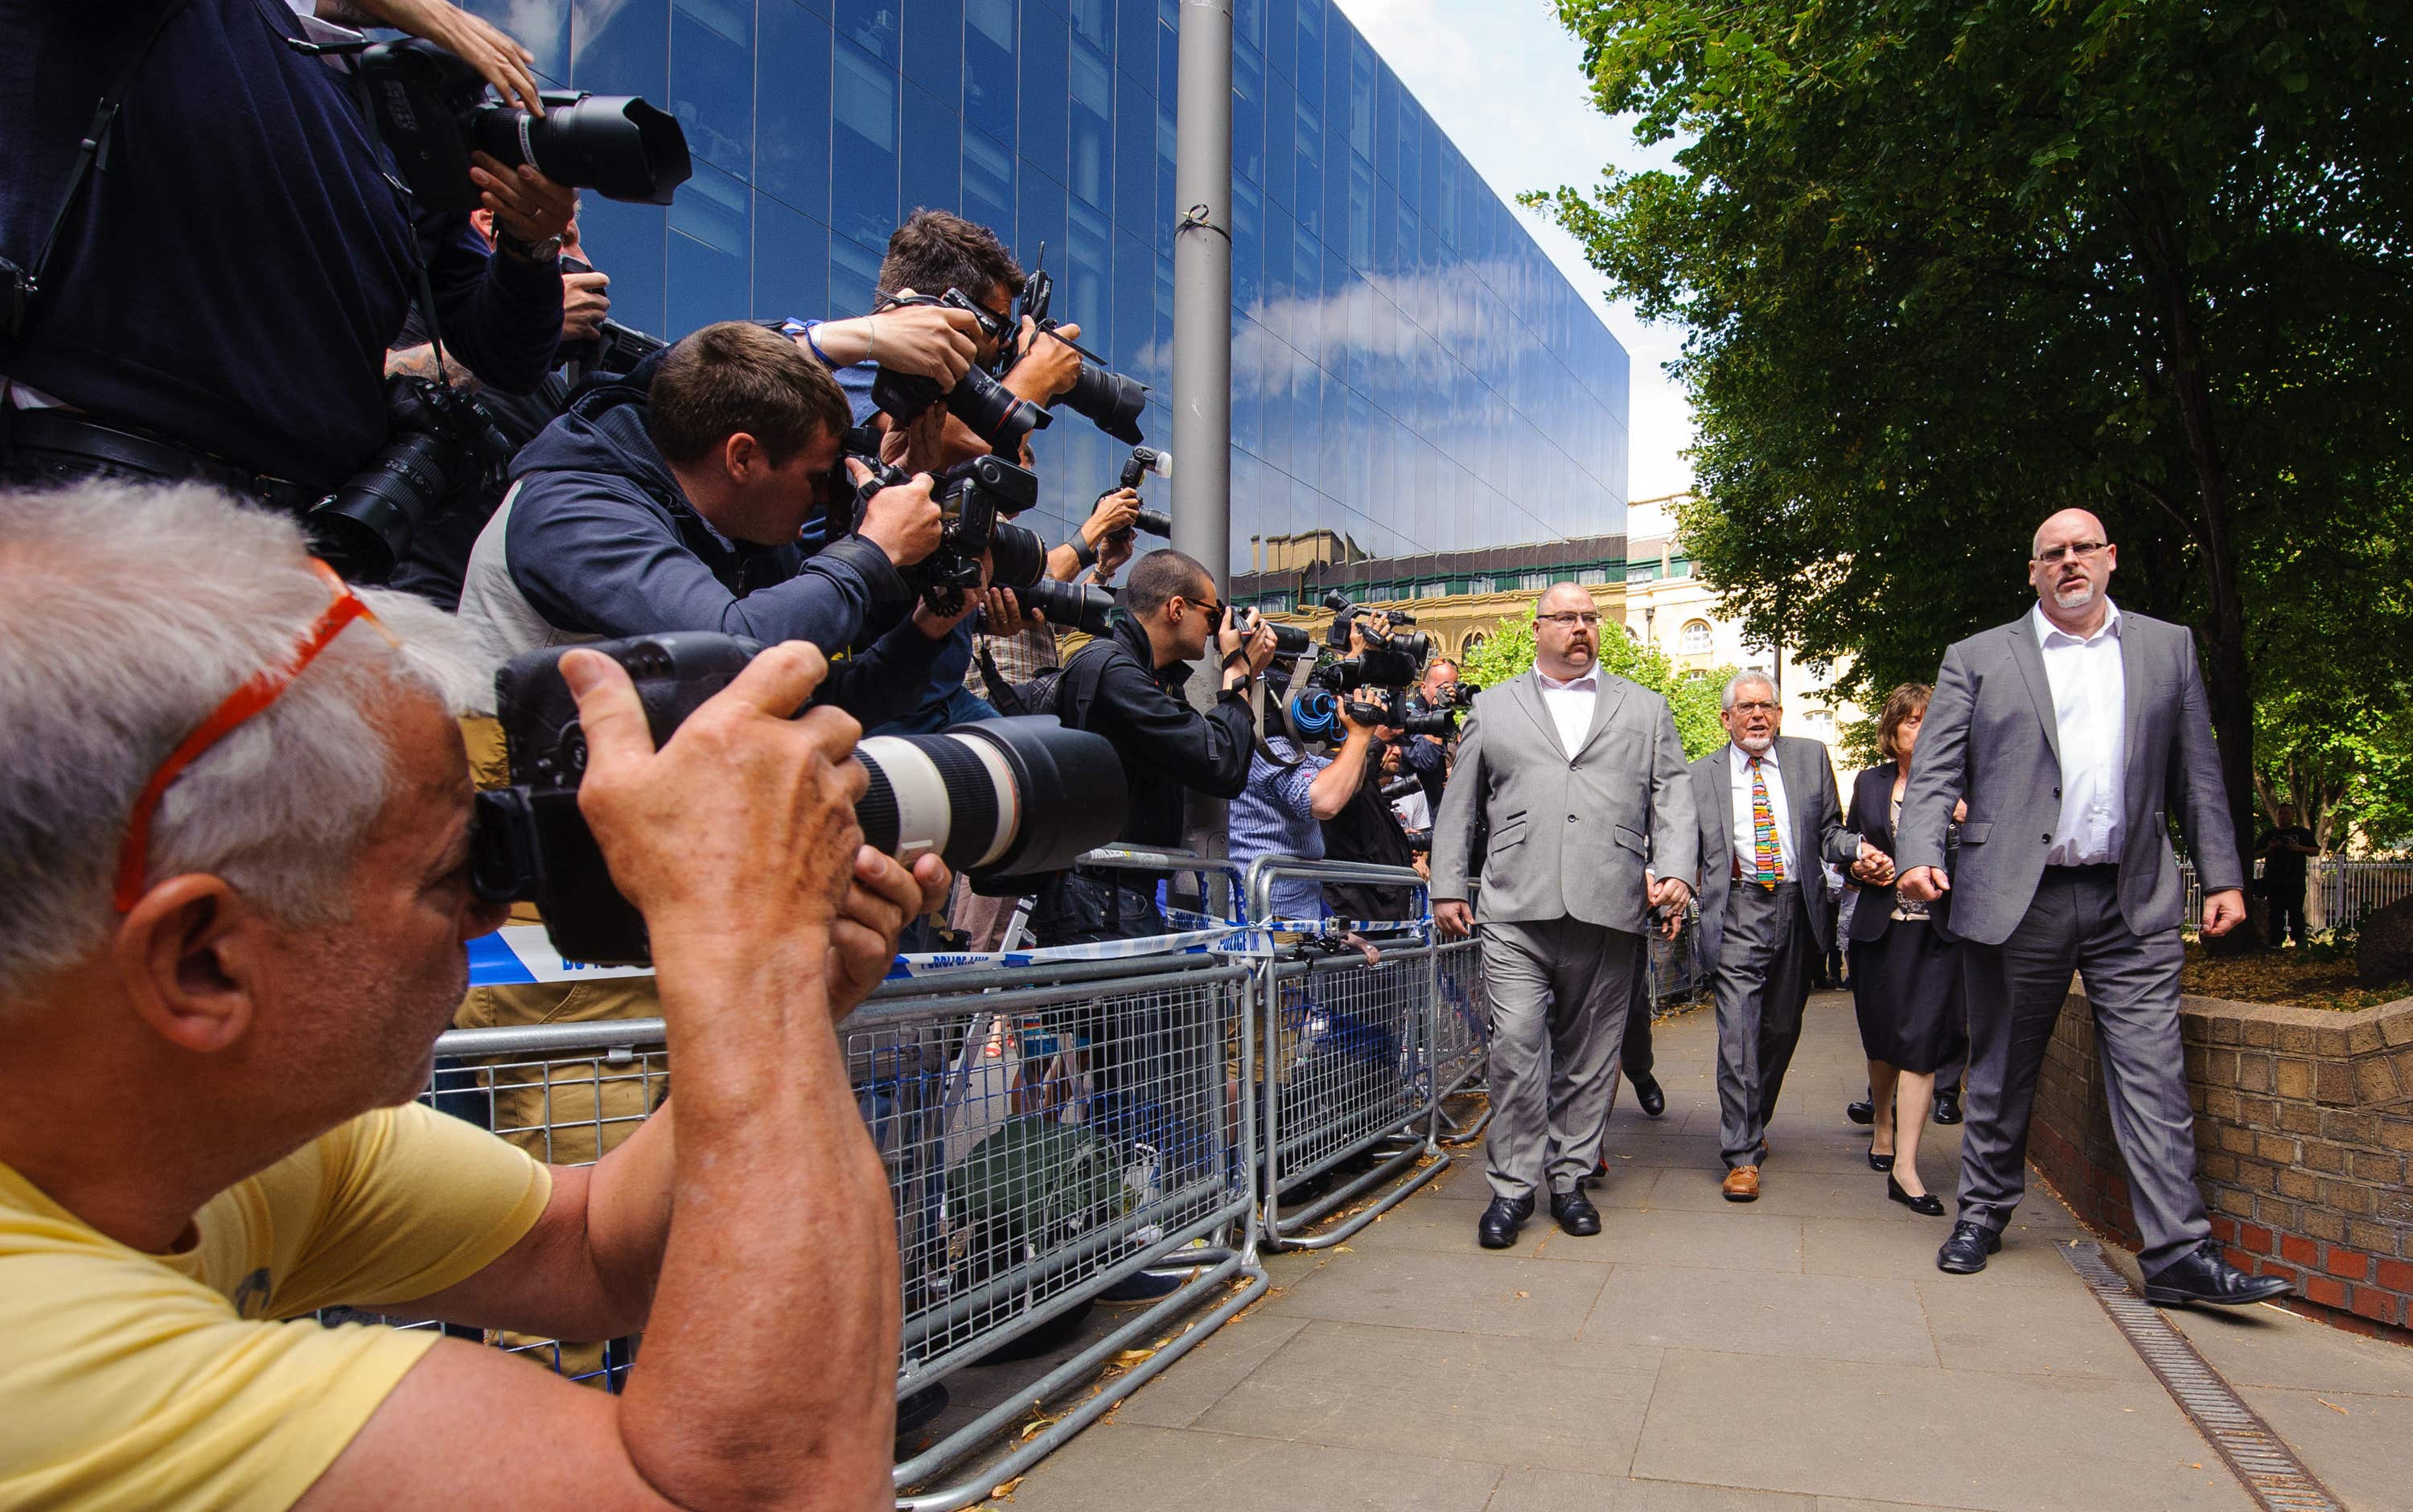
[(1905, 976)]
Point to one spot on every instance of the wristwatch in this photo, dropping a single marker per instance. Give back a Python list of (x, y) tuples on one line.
[(547, 250)]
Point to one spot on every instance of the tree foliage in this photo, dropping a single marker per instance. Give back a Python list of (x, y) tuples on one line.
[(1949, 267), (1509, 653)]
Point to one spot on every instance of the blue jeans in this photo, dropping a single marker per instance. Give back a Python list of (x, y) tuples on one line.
[(959, 706)]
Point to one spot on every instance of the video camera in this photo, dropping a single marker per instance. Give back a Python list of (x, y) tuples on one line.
[(1390, 658), (1111, 400), (432, 110), (980, 401), (1143, 461), (976, 498), (1439, 716), (1007, 797)]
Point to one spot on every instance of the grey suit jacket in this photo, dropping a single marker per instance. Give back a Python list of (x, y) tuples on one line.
[(1991, 736), (1818, 833), (1569, 835)]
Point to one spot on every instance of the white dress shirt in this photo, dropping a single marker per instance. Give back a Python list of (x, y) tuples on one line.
[(2090, 709), (1570, 703), (1746, 833)]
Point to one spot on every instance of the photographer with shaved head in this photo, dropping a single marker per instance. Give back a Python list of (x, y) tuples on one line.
[(234, 893), (2075, 733)]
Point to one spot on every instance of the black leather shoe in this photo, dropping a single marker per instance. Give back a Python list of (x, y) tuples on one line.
[(1647, 1093), (2205, 1277), (1497, 1228), (1880, 1163), (1926, 1203), (1574, 1213), (1964, 1254), (1947, 1108), (1862, 1113)]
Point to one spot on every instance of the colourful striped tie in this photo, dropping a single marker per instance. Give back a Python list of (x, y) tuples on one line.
[(1767, 860)]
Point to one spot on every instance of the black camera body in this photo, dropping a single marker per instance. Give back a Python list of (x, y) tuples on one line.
[(980, 401), (432, 110), (1111, 400), (439, 441), (976, 499), (996, 798), (1143, 461), (1289, 640), (1428, 716)]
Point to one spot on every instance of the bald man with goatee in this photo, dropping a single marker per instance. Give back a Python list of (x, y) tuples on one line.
[(2075, 733)]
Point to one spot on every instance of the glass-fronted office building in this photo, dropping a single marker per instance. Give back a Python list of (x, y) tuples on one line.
[(1410, 371)]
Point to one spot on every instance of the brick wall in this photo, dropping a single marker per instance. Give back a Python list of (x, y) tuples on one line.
[(2303, 1126)]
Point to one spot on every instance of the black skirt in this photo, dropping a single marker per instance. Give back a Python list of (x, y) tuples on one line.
[(1907, 992)]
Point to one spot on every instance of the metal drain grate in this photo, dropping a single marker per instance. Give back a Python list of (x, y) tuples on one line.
[(2262, 1460)]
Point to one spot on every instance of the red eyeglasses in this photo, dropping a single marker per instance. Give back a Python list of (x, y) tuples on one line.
[(263, 688)]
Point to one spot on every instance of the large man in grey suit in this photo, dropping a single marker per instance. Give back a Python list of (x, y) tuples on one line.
[(2075, 733), (1578, 776), (1770, 822)]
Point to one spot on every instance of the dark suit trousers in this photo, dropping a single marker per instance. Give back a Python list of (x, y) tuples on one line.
[(1762, 983), (1637, 1057), (2016, 990)]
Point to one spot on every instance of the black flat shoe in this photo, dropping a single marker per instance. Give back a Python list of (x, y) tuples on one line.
[(2205, 1277), (1862, 1113), (1880, 1163), (1574, 1213), (1646, 1093), (1926, 1203), (1947, 1108), (1964, 1254), (1497, 1228)]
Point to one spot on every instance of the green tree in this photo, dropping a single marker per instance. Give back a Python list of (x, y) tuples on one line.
[(1694, 699), (1950, 266)]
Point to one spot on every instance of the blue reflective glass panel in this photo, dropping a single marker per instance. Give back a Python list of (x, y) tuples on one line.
[(863, 156), (1093, 22), (988, 185), (1044, 107), (624, 51), (1039, 216), (870, 25), (934, 48), (792, 144), (1090, 164), (853, 277), (1134, 155), (629, 242), (1248, 116), (990, 32), (1085, 295), (930, 176), (542, 27), (712, 81), (790, 262)]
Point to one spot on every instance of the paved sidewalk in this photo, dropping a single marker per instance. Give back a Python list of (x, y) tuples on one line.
[(1799, 1352)]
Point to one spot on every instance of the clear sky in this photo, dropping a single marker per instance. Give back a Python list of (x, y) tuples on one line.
[(1507, 82)]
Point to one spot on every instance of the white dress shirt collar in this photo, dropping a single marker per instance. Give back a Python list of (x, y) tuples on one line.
[(2089, 690), (1570, 704), (2048, 633)]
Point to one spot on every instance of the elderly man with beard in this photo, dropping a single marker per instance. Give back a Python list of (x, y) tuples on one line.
[(1770, 819), (2075, 733), (1578, 775)]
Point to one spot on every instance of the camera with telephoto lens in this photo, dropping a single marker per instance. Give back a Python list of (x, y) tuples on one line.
[(1437, 715), (1079, 606), (1314, 713), (975, 497), (980, 401), (1111, 400), (1390, 658), (1008, 797), (1143, 461), (439, 441), (433, 110), (1289, 640)]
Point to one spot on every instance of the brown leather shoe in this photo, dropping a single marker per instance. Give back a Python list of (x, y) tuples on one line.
[(1742, 1184)]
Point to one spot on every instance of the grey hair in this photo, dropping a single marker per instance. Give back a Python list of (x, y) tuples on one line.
[(127, 613), (1736, 683)]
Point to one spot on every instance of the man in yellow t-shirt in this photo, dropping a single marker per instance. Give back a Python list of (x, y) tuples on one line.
[(234, 842)]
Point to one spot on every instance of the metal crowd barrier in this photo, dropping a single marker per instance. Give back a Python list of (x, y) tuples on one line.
[(1461, 1035), (1046, 1139), (1349, 1063)]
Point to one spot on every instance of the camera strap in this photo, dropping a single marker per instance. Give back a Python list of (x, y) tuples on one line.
[(24, 284)]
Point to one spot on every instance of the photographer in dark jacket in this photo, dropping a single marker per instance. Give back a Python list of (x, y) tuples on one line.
[(1128, 688), (253, 357), (672, 499)]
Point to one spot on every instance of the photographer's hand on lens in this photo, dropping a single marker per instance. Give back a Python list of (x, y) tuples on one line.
[(883, 898), (1047, 367), (524, 202), (585, 305), (1253, 647), (474, 41), (740, 831), (1112, 556), (921, 446), (1005, 615), (902, 521)]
